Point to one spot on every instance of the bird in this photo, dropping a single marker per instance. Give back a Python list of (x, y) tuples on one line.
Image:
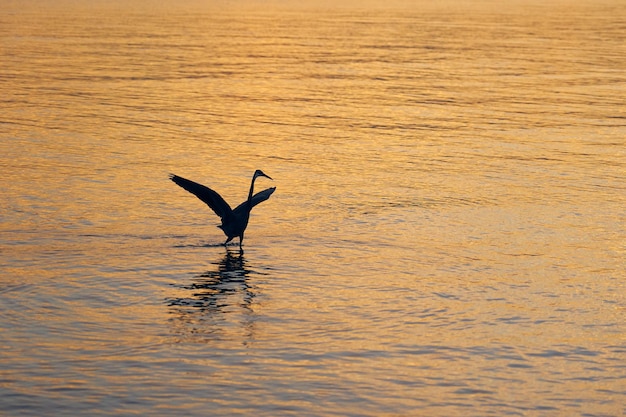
[(234, 222)]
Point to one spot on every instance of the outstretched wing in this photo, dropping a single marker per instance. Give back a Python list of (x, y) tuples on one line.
[(210, 197), (256, 199)]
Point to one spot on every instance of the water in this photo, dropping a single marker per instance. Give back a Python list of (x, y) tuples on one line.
[(446, 238)]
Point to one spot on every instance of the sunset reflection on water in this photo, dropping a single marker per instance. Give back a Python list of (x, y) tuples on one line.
[(446, 236)]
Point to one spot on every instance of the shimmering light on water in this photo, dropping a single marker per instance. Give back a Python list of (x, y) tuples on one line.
[(447, 235)]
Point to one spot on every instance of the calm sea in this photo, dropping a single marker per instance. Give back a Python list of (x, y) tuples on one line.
[(447, 237)]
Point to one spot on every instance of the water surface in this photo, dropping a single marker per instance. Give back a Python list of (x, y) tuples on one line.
[(446, 238)]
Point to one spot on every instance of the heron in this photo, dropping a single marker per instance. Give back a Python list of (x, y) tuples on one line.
[(234, 222)]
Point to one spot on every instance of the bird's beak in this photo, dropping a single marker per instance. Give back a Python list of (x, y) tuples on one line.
[(258, 173)]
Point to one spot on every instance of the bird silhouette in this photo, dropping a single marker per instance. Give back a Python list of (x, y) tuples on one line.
[(234, 222)]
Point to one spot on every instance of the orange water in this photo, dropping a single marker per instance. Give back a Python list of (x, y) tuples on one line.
[(446, 238)]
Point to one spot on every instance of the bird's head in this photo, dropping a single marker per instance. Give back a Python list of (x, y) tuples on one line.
[(259, 173)]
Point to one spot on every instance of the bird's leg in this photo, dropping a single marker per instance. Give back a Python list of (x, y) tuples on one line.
[(240, 242)]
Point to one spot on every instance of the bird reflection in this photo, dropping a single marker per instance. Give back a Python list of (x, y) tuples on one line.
[(216, 304)]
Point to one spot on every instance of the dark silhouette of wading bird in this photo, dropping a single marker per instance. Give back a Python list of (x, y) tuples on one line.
[(234, 222)]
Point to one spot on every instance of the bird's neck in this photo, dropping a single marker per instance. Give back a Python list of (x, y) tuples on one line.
[(251, 191)]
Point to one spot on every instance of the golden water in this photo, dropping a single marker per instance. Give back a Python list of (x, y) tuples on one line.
[(446, 238)]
